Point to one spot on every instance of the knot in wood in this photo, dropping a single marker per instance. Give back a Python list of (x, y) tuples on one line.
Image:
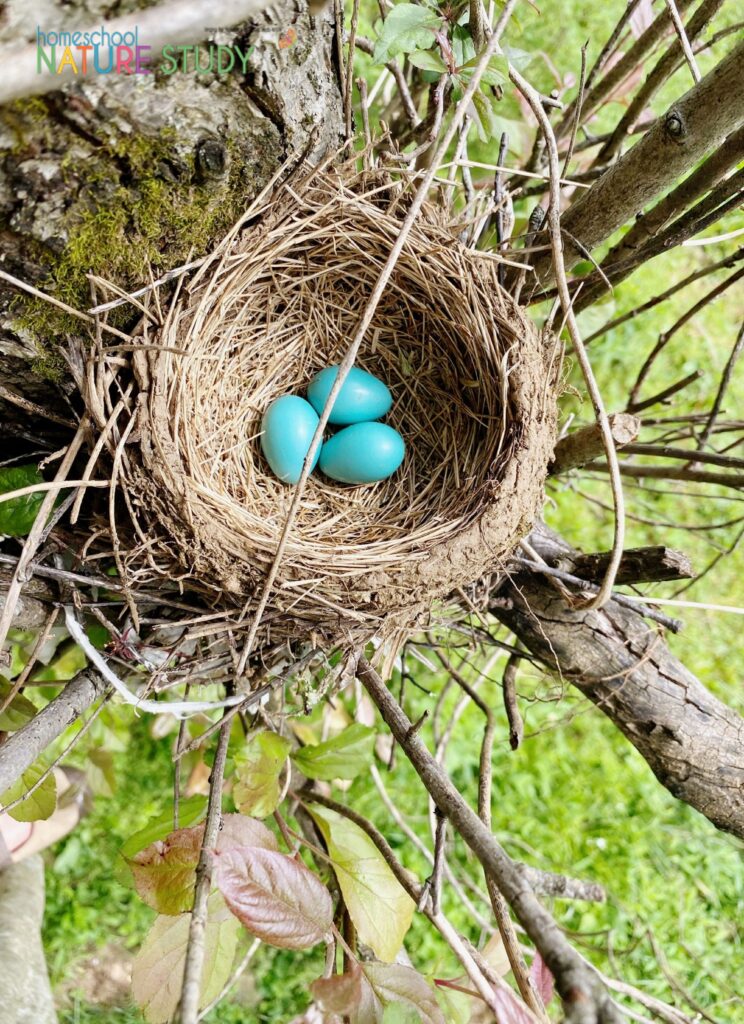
[(674, 126)]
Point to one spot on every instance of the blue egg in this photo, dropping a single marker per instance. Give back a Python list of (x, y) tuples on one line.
[(362, 453), (362, 397), (287, 429)]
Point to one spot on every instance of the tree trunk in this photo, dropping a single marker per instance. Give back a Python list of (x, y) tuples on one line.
[(693, 742), (120, 173)]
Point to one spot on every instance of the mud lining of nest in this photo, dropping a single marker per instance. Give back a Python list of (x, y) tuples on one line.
[(279, 300)]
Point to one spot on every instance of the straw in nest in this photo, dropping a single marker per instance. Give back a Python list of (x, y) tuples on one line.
[(473, 399)]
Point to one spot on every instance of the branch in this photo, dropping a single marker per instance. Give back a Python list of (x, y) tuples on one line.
[(673, 145), (24, 747), (587, 444), (584, 997), (182, 21), (638, 565), (693, 743), (664, 68), (188, 1007)]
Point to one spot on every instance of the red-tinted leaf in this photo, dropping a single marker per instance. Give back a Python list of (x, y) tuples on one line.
[(511, 1010), (366, 992), (237, 830), (165, 871), (276, 898), (542, 978), (341, 994)]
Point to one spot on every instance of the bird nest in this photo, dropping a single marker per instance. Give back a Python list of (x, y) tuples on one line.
[(279, 300)]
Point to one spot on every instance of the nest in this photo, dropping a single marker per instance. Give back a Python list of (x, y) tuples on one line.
[(280, 300)]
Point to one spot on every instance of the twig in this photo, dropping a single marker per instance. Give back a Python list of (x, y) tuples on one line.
[(662, 396), (348, 107), (176, 707), (666, 336), (673, 625), (679, 28), (22, 748), (513, 717), (34, 537), (188, 1007), (554, 222), (722, 387), (232, 981), (727, 262)]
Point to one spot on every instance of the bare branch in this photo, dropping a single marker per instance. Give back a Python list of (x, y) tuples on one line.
[(585, 999), (587, 444)]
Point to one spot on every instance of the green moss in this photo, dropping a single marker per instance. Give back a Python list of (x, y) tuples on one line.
[(156, 215)]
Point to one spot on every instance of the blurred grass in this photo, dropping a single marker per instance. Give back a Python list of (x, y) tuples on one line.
[(576, 797)]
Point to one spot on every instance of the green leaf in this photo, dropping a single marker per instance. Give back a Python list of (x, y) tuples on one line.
[(428, 60), (40, 804), (404, 989), (18, 515), (399, 1013), (18, 659), (463, 47), (456, 1006), (18, 713), (100, 772), (485, 119), (378, 905), (408, 27), (258, 767), (158, 967), (189, 812), (343, 757)]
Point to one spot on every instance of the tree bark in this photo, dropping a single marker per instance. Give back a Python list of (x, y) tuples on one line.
[(692, 742), (24, 980), (120, 173), (692, 127)]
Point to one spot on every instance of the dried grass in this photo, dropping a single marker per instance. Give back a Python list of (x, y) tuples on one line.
[(279, 300)]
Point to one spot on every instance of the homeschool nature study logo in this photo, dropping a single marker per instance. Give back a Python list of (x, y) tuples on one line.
[(100, 52)]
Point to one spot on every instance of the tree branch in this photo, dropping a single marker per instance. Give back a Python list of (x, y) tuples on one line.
[(692, 127), (693, 742), (21, 749), (584, 998)]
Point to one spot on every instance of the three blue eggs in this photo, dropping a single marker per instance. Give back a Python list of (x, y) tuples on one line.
[(364, 451)]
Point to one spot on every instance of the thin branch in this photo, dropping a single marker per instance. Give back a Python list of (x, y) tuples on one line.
[(32, 541), (679, 28), (511, 706), (722, 387), (584, 998), (726, 263), (23, 748), (188, 1007), (666, 336), (554, 223)]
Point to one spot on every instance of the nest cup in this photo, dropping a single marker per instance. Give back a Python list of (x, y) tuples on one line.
[(281, 299)]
